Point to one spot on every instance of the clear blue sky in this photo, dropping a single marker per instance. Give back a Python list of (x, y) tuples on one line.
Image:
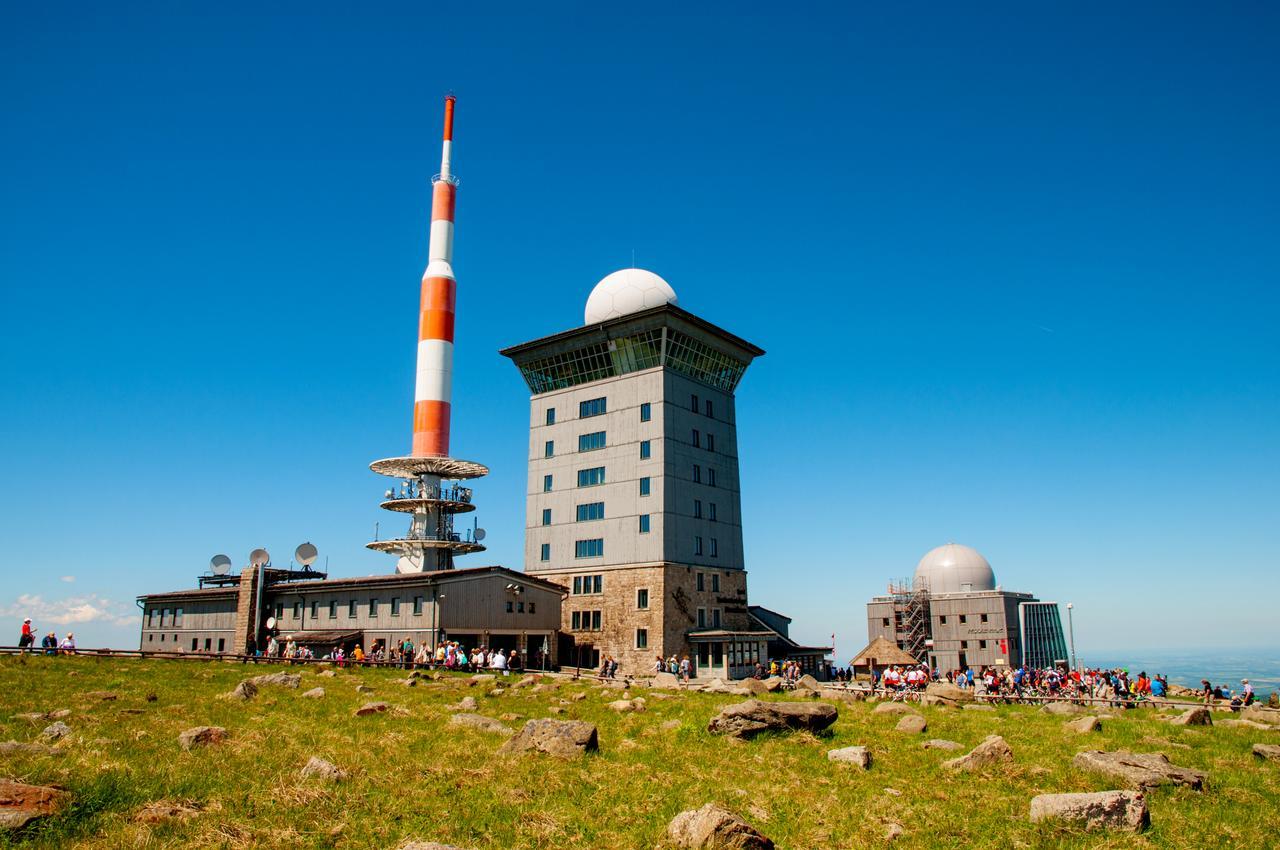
[(1016, 273)]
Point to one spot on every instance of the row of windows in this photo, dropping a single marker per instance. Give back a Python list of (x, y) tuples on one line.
[(697, 510), (518, 607), (585, 621), (600, 406), (591, 477), (713, 551), (590, 511), (714, 621), (167, 619), (591, 442), (711, 475), (693, 405), (697, 440), (588, 584), (593, 548), (701, 579)]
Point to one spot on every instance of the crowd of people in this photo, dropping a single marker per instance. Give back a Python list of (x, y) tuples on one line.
[(49, 644), (449, 655)]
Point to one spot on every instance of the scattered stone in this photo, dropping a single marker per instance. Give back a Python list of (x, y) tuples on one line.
[(202, 736), (747, 719), (756, 687), (808, 683), (496, 692), (579, 696), (465, 704), (992, 750), (154, 813), (363, 689), (892, 708), (563, 738), (314, 693), (481, 678), (544, 688), (773, 684), (41, 716), (893, 831), (284, 680), (527, 681), (409, 683), (893, 792), (1062, 708), (152, 697), (371, 708), (20, 804), (665, 680), (940, 744), (1267, 752), (714, 828), (1199, 716), (623, 706), (322, 769), (1240, 723), (328, 674), (244, 691), (133, 711), (912, 724), (859, 756), (105, 696), (479, 721), (1124, 810), (555, 709), (11, 748), (1084, 724), (56, 731), (1140, 771), (948, 694), (978, 707), (510, 716), (1260, 714)]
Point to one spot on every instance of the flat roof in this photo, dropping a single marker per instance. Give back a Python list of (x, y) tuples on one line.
[(670, 309)]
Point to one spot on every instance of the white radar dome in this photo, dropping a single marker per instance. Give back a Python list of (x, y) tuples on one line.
[(955, 569), (627, 291)]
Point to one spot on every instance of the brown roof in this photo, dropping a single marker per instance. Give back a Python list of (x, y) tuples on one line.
[(882, 652)]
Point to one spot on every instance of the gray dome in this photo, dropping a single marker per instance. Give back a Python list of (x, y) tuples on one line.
[(954, 569)]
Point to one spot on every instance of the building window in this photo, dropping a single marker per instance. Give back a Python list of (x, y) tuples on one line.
[(591, 477), (697, 509), (642, 638), (711, 442), (884, 621), (373, 607), (352, 607), (195, 644), (711, 511), (593, 548), (595, 621), (697, 545), (577, 585), (715, 618), (164, 617), (711, 476), (395, 606), (715, 552), (208, 644), (417, 606), (982, 644), (693, 402), (549, 450), (697, 439), (545, 552), (575, 620), (177, 617), (297, 610), (697, 474), (964, 644), (533, 607), (162, 638), (644, 449), (597, 584), (702, 618), (520, 606), (546, 516), (551, 416), (644, 523), (591, 442), (510, 607), (333, 609), (222, 644), (151, 618), (942, 620), (715, 581), (982, 617), (546, 483), (590, 511), (709, 408), (644, 486), (642, 599), (279, 611), (964, 618), (315, 609), (701, 581), (646, 412), (592, 407)]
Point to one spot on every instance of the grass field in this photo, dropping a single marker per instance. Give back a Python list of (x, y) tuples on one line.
[(414, 776)]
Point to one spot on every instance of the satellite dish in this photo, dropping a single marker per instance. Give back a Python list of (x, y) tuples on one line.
[(219, 565), (259, 557), (306, 554), (479, 535), (271, 623)]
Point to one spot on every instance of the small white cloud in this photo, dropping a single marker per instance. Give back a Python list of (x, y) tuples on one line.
[(91, 608), (69, 579)]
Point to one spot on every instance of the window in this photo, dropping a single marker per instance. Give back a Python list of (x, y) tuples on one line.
[(709, 408), (417, 606), (715, 553), (715, 582), (208, 644), (646, 412), (942, 620), (644, 449), (711, 476), (701, 581), (577, 585), (546, 516), (279, 611), (697, 474), (315, 609), (595, 621), (593, 548), (151, 618), (373, 607), (510, 607), (222, 644), (545, 553), (702, 618), (711, 511), (546, 483), (964, 618), (597, 584), (533, 607), (395, 606), (297, 610), (697, 439), (711, 442), (551, 416), (694, 403), (642, 638), (642, 599), (982, 644), (352, 609), (162, 638), (590, 511), (964, 644), (592, 407), (591, 477), (549, 450), (983, 617), (520, 606), (715, 618), (195, 644), (644, 523), (164, 617), (697, 509), (333, 609), (885, 621), (697, 545), (575, 620), (591, 442), (644, 486)]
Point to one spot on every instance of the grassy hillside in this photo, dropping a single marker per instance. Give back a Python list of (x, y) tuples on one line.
[(414, 776)]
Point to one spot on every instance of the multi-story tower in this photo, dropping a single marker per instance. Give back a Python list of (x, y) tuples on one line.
[(633, 496)]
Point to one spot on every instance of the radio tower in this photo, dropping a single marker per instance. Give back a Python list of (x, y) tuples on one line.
[(429, 487)]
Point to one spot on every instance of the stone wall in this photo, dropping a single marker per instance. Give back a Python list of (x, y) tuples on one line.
[(245, 602)]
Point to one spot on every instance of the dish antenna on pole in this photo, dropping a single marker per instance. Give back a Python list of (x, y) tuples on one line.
[(306, 554), (479, 534), (259, 557), (219, 565)]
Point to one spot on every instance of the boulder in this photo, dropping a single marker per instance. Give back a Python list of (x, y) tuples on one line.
[(56, 731), (12, 748), (1198, 716), (860, 756), (202, 736), (750, 718), (314, 693), (1261, 714), (808, 683), (1267, 752), (321, 769), (1088, 723), (1139, 771), (665, 680), (479, 721), (244, 691), (465, 704), (371, 708), (283, 680), (1123, 810), (756, 687), (992, 750), (363, 689), (940, 744), (625, 705), (20, 804), (1063, 709), (773, 684), (912, 724), (1241, 723), (579, 696), (527, 681), (562, 738), (482, 678), (714, 828), (893, 708), (947, 694), (328, 674), (408, 683)]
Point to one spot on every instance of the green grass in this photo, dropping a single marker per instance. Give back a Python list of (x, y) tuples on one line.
[(413, 776)]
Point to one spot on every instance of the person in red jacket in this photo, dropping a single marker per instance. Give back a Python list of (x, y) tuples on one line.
[(28, 635)]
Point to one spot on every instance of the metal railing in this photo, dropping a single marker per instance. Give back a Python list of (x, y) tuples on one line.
[(100, 653)]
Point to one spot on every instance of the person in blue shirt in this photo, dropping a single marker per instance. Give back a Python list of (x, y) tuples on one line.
[(1157, 687)]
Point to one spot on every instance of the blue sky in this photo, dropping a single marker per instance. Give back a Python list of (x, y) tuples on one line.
[(1015, 271)]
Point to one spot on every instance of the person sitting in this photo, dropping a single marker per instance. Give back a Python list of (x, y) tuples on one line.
[(50, 644), (68, 646), (499, 662)]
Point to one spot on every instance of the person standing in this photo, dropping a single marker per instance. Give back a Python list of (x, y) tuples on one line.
[(28, 637)]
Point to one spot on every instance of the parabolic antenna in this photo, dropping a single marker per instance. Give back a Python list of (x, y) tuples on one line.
[(271, 622), (479, 535), (219, 565), (306, 554), (259, 557)]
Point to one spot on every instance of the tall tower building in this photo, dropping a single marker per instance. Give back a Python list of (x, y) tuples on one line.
[(633, 495)]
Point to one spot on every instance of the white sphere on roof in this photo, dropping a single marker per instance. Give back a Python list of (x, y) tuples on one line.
[(627, 291), (954, 569)]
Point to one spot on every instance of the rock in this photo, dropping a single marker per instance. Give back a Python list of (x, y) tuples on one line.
[(992, 750), (511, 716), (1062, 708), (979, 707), (363, 689), (479, 721), (893, 831), (11, 748), (756, 687), (562, 738), (465, 704), (328, 674), (1259, 714), (202, 736), (1267, 752), (1240, 723), (555, 709), (912, 724), (579, 696), (496, 692), (314, 693), (527, 681), (624, 705), (321, 769), (892, 708), (56, 731), (371, 708), (544, 688), (283, 680), (860, 756), (773, 684), (948, 694), (808, 683), (1139, 770), (160, 812), (20, 804), (244, 691), (665, 680), (1198, 716), (41, 716), (481, 679), (105, 696), (747, 719), (715, 828), (893, 792), (1124, 810), (408, 683), (1084, 724), (940, 744)]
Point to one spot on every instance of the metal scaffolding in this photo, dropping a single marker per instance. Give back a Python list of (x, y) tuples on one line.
[(911, 616)]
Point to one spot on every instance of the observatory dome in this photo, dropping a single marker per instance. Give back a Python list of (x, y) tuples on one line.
[(627, 291), (954, 569)]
